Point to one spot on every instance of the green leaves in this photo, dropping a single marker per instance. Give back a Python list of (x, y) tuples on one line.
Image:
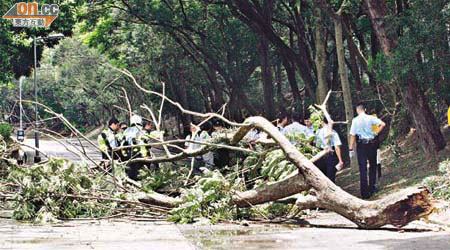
[(48, 192), (164, 176), (440, 185), (5, 130), (209, 198)]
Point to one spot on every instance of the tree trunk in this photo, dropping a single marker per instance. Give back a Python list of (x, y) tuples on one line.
[(290, 71), (345, 83), (206, 98), (377, 12), (424, 119), (396, 209), (253, 17), (279, 80), (356, 75), (320, 58), (266, 74), (414, 98), (217, 93)]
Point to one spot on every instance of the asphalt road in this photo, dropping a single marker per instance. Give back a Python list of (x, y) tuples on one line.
[(69, 149)]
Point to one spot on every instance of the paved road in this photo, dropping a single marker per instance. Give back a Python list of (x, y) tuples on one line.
[(68, 149), (324, 231), (105, 235)]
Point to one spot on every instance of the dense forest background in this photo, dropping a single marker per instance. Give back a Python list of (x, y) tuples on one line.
[(260, 57)]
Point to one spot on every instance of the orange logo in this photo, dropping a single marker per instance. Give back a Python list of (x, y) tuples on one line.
[(29, 14)]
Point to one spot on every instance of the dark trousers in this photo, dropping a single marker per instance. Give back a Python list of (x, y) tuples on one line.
[(115, 156), (327, 164), (132, 169), (367, 152), (222, 157)]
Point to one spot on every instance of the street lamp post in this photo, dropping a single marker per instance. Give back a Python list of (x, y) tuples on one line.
[(37, 158), (20, 132)]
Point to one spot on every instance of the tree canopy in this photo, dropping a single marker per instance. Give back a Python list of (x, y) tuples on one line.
[(259, 57)]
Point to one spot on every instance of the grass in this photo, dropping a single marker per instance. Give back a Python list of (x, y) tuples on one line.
[(399, 171)]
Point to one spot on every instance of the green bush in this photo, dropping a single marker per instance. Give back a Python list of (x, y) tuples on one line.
[(6, 130), (440, 185)]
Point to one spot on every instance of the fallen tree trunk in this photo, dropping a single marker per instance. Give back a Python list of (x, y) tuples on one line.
[(293, 184), (272, 192), (396, 209)]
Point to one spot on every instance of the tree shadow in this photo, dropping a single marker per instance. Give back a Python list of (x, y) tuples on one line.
[(437, 242)]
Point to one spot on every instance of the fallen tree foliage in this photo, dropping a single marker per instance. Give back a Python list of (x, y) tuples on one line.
[(278, 170)]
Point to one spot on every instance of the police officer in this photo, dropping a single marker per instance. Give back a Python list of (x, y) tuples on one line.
[(295, 126), (132, 138), (121, 138), (107, 139), (283, 120), (309, 130), (221, 155), (361, 132), (328, 138)]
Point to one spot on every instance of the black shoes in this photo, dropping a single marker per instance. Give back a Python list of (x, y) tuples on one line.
[(370, 194)]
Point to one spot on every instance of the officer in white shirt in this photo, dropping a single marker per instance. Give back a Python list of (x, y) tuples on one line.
[(296, 127), (362, 133), (309, 130), (329, 163), (283, 120)]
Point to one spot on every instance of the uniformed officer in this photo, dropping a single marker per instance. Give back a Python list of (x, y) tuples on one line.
[(107, 139), (326, 138), (296, 128), (121, 138), (132, 138), (145, 138), (221, 155), (361, 132), (309, 128), (201, 135), (283, 120)]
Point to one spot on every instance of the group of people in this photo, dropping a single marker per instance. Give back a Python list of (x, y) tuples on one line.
[(291, 124), (203, 134), (132, 141), (364, 137)]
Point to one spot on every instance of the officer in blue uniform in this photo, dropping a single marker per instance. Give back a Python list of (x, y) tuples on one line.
[(362, 133), (329, 139)]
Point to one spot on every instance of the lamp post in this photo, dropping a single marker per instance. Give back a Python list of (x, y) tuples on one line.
[(20, 132), (37, 158)]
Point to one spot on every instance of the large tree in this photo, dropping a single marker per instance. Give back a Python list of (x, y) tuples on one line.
[(412, 93)]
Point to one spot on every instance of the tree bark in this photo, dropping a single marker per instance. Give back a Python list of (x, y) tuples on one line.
[(344, 82), (425, 122), (377, 12), (320, 58), (355, 72), (290, 71), (217, 91), (266, 71)]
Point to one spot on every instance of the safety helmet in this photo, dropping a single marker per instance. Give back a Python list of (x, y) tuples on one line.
[(136, 119)]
